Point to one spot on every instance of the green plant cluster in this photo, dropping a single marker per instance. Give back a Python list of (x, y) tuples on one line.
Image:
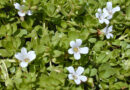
[(49, 30)]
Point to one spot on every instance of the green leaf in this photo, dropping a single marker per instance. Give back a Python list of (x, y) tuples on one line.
[(57, 53), (5, 53), (128, 13), (22, 32), (92, 40), (93, 72), (120, 85)]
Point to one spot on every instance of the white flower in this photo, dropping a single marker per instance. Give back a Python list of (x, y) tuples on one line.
[(109, 10), (76, 76), (29, 12), (25, 57), (24, 0), (76, 50), (21, 11), (102, 16), (107, 31)]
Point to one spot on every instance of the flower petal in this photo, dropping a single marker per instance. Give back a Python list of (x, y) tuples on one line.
[(72, 43), (77, 81), (115, 9), (80, 70), (70, 76), (31, 55), (23, 64), (99, 10), (97, 15), (21, 14), (70, 69), (105, 30), (19, 56), (109, 35), (70, 51), (110, 29), (105, 10), (100, 21), (17, 6), (83, 78), (104, 15), (110, 16), (84, 50), (77, 56), (78, 42), (106, 21), (29, 12), (24, 0), (24, 50), (109, 5)]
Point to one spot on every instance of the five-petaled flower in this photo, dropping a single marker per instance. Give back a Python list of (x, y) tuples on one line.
[(21, 11), (102, 16), (76, 50), (25, 57), (76, 76), (109, 11), (107, 31)]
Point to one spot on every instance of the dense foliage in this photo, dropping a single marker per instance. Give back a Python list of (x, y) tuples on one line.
[(48, 32)]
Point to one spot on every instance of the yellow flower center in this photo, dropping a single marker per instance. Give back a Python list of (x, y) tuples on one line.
[(26, 60), (22, 11), (75, 49), (75, 77), (110, 12)]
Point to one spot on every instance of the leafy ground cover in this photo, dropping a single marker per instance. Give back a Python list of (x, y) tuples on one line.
[(64, 44)]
